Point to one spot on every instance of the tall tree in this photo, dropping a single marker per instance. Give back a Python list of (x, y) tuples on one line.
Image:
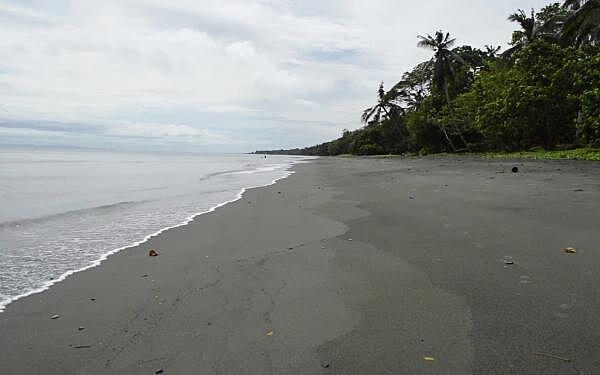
[(444, 61)]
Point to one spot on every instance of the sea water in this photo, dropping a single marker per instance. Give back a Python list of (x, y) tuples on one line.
[(63, 211)]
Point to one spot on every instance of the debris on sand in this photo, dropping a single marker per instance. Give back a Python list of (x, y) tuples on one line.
[(553, 356), (570, 250), (428, 359), (152, 253), (270, 333), (515, 169), (159, 371), (508, 260), (80, 328), (55, 317), (325, 365)]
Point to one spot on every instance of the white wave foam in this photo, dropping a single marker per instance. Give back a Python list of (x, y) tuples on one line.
[(4, 301)]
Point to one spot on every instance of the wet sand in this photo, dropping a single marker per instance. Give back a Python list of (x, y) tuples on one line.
[(350, 266)]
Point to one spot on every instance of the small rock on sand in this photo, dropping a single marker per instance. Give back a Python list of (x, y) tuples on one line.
[(152, 253)]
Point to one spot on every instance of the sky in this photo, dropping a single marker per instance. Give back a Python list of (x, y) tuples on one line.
[(215, 76)]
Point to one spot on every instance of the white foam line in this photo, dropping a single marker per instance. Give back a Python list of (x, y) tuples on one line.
[(105, 256)]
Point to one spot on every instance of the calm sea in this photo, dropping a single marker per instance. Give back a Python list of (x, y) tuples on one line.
[(65, 211)]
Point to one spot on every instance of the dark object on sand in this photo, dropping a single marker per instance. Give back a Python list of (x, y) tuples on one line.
[(325, 365), (159, 371), (570, 250), (80, 328), (515, 169), (152, 253), (554, 356)]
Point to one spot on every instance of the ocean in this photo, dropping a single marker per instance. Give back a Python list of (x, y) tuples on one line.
[(63, 211)]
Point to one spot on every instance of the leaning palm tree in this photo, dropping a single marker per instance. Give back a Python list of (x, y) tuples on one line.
[(444, 61), (583, 24), (384, 109)]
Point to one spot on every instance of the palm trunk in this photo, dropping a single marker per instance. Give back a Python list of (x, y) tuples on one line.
[(577, 142), (456, 127), (443, 129)]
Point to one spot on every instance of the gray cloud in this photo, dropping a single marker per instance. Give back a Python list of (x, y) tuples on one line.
[(238, 74)]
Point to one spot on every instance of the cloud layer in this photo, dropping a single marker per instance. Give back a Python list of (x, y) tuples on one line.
[(214, 75)]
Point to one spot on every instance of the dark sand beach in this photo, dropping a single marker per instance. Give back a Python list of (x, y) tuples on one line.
[(349, 266)]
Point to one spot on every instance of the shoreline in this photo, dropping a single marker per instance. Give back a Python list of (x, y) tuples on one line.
[(48, 284), (346, 266)]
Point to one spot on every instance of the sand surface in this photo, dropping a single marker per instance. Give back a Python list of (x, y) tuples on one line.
[(350, 266)]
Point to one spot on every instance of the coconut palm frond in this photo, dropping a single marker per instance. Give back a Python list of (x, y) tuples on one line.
[(368, 114), (426, 42)]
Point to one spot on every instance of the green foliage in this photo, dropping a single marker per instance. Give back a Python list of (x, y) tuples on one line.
[(587, 88), (590, 119), (424, 132), (578, 154), (527, 104), (582, 25), (541, 94)]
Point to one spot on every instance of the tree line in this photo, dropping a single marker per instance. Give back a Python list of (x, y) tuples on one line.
[(542, 92)]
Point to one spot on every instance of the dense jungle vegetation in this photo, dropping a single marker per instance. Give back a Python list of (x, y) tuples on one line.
[(543, 93)]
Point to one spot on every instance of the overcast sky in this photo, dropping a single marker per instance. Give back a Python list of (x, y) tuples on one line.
[(209, 76)]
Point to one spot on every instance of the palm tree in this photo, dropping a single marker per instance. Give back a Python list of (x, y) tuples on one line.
[(528, 25), (530, 29), (384, 109), (444, 60), (491, 51), (583, 24)]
